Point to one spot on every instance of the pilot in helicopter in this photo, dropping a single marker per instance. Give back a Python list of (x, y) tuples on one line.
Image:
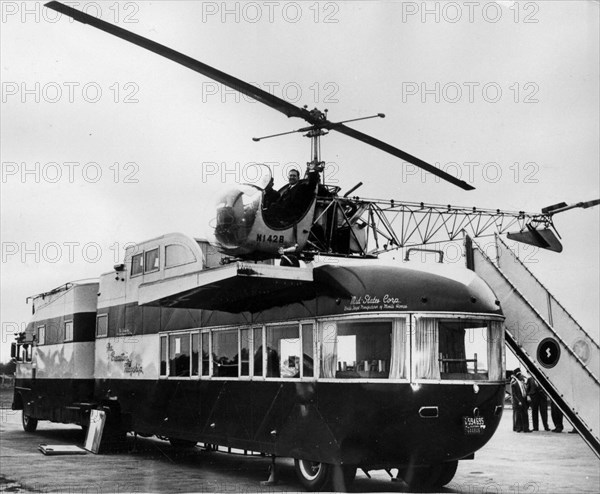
[(289, 204)]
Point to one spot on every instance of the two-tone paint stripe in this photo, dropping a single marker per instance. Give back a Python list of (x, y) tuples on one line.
[(84, 324)]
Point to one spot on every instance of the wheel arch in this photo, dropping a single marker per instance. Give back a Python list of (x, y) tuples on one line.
[(17, 403)]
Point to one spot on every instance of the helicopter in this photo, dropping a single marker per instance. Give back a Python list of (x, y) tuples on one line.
[(245, 228)]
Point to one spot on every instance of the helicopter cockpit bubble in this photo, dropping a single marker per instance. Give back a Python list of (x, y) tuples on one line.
[(264, 176), (236, 212), (237, 209)]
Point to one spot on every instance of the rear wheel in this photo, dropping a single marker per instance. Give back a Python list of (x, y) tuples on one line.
[(29, 423), (318, 476), (448, 472), (313, 475), (420, 477), (429, 477)]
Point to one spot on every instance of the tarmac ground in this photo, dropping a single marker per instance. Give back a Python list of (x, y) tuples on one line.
[(540, 462)]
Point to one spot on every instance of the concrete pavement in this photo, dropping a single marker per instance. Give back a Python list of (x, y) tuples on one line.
[(540, 462)]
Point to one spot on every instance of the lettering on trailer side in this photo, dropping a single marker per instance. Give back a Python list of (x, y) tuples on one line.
[(372, 303)]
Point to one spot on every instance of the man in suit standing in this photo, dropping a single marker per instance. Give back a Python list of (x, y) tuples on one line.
[(557, 417), (538, 402), (519, 402)]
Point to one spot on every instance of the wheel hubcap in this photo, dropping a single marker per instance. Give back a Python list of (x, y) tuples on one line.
[(310, 469)]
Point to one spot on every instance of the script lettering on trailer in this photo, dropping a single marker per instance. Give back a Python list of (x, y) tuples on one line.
[(369, 302), (128, 366)]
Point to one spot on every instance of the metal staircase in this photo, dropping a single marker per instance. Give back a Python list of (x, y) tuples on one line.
[(556, 350)]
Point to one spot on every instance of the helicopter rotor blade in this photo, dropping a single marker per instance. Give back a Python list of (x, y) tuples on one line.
[(367, 139), (562, 206), (314, 117), (243, 87)]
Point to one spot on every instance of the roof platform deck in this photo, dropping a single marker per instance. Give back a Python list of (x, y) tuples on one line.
[(237, 287)]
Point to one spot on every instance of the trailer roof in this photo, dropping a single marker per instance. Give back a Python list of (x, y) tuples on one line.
[(371, 286)]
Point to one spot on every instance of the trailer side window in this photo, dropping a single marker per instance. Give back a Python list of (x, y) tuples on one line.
[(102, 326), (283, 351), (176, 255), (399, 366), (469, 350), (195, 353), (179, 355), (307, 351), (41, 335), (458, 349), (205, 354), (151, 261), (245, 352), (495, 337), (357, 350), (425, 353), (137, 264), (258, 351), (163, 356), (225, 353), (68, 331)]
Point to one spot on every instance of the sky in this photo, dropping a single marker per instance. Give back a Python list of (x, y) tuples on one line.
[(104, 143)]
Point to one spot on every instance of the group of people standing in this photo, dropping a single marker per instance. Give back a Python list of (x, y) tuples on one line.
[(526, 392)]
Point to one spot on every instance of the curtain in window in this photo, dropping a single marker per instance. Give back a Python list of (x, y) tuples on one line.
[(400, 349), (452, 340), (495, 347), (329, 350), (426, 349)]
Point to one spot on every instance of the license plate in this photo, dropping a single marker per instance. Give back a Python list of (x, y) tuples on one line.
[(473, 425)]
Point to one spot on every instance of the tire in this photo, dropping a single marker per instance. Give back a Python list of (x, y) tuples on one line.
[(430, 477), (448, 472), (317, 476), (182, 443), (313, 475), (29, 423), (421, 478)]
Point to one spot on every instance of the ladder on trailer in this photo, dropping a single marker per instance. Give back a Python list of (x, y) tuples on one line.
[(556, 350)]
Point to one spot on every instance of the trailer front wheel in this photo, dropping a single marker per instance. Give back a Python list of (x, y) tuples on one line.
[(29, 423)]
